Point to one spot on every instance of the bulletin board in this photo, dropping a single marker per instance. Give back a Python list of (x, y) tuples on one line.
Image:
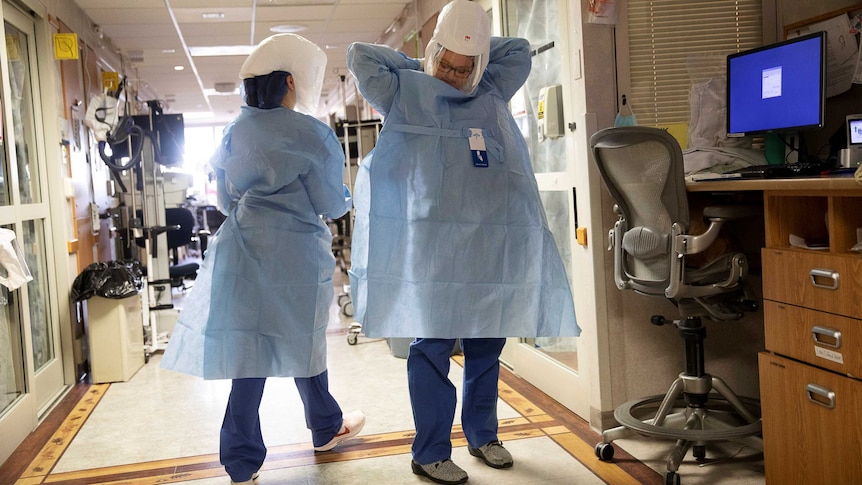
[(796, 27), (848, 99)]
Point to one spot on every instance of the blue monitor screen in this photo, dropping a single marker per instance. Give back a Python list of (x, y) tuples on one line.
[(778, 88)]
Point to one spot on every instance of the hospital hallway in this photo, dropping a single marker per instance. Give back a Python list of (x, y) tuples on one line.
[(163, 427)]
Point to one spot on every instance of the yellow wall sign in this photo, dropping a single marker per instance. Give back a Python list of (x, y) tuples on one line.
[(13, 50), (110, 80), (65, 46)]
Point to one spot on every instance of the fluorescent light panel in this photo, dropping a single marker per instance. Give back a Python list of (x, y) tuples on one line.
[(287, 28), (294, 3), (221, 50), (213, 92)]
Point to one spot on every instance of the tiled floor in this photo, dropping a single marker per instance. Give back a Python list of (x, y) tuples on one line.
[(162, 427)]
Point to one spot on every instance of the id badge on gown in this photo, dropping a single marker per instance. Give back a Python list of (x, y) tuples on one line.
[(477, 148)]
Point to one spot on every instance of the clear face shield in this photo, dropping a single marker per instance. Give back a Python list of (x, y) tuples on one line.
[(459, 71)]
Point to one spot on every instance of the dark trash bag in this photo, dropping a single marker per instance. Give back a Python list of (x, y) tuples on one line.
[(111, 279)]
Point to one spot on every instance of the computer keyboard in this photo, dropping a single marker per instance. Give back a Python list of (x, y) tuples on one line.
[(808, 168), (799, 169)]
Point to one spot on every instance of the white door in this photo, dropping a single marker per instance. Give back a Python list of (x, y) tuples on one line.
[(31, 368), (557, 366)]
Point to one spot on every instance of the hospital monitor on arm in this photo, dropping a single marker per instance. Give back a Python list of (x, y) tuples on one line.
[(777, 88)]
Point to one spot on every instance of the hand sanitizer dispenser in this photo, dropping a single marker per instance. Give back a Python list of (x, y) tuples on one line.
[(550, 112)]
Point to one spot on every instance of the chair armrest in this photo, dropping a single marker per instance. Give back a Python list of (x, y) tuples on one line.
[(683, 244), (716, 216), (730, 212), (615, 237)]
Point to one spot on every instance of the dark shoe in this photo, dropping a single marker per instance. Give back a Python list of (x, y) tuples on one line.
[(443, 471), (493, 454)]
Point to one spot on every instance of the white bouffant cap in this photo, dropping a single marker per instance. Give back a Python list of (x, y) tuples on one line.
[(294, 54)]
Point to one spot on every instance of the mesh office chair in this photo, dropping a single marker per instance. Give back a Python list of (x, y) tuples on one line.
[(182, 221), (209, 219), (643, 170), (180, 231)]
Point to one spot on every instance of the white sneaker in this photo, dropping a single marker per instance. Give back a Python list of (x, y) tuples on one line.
[(250, 481), (351, 425)]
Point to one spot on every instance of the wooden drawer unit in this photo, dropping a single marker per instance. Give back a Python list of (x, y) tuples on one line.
[(821, 281), (812, 424), (823, 339), (810, 387)]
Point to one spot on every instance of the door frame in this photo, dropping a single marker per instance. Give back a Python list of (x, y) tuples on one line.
[(44, 387), (575, 389)]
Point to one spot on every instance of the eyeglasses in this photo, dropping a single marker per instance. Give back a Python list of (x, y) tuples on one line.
[(460, 72)]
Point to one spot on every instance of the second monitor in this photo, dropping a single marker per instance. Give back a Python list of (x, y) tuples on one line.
[(852, 155)]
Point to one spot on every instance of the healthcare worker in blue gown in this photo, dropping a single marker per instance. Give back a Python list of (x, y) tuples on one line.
[(260, 304), (451, 240)]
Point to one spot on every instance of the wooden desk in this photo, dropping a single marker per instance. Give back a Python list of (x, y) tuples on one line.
[(801, 184), (811, 371)]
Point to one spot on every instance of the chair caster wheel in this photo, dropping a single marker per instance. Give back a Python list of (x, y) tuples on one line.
[(353, 332), (672, 478), (347, 308), (699, 452), (605, 451)]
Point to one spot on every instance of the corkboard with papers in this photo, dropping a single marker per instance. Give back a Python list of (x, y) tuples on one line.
[(843, 66)]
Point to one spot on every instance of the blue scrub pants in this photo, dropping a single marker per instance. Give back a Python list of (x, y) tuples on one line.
[(242, 450), (433, 396)]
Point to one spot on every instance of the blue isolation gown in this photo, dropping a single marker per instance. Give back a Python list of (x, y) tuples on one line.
[(260, 304), (443, 248)]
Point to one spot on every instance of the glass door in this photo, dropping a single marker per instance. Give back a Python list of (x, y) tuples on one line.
[(554, 365), (31, 370)]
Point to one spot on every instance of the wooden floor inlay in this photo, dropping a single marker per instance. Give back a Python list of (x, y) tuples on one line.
[(540, 416), (48, 456)]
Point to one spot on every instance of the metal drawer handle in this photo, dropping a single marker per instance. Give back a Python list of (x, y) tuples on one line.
[(820, 395), (824, 273), (818, 331)]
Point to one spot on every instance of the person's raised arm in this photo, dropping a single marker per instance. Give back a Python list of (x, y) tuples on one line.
[(374, 68), (509, 64)]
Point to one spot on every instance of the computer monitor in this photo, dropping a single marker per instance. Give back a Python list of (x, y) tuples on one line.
[(169, 135), (777, 88), (852, 155), (854, 131)]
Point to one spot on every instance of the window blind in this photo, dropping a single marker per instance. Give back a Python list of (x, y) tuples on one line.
[(672, 40)]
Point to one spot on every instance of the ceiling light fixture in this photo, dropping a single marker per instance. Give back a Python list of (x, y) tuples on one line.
[(298, 3), (179, 68), (221, 50), (212, 15), (225, 87), (215, 92), (288, 28)]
